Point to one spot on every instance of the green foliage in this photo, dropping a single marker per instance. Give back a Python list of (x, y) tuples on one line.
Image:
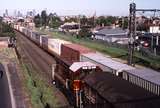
[(1, 19), (6, 30), (54, 22), (89, 22), (44, 18), (40, 93), (123, 22), (84, 32), (51, 20), (37, 20), (106, 21)]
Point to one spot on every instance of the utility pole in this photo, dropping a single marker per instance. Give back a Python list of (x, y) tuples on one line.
[(132, 33)]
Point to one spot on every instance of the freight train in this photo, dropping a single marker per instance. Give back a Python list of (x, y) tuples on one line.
[(76, 64)]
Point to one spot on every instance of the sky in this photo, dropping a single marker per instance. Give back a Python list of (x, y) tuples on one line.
[(76, 7)]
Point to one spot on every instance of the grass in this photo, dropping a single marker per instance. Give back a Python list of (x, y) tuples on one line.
[(40, 93), (148, 61)]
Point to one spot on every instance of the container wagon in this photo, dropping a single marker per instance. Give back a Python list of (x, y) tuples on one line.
[(107, 64), (145, 78), (105, 90)]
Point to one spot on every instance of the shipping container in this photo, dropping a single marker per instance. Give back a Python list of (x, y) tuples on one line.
[(36, 37), (71, 52), (21, 29), (16, 27), (145, 78), (54, 45), (24, 31), (106, 63), (29, 33), (44, 41)]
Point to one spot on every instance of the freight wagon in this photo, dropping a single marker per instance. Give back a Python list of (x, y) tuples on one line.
[(104, 90), (145, 78), (107, 64)]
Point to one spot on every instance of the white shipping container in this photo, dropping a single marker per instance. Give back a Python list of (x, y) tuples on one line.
[(15, 26), (54, 45), (21, 28)]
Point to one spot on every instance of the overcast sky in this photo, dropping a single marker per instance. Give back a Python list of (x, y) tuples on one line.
[(63, 7)]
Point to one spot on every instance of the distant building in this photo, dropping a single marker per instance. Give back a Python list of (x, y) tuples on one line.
[(154, 29), (116, 35), (70, 27)]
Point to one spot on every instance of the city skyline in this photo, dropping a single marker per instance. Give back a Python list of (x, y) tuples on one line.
[(75, 7)]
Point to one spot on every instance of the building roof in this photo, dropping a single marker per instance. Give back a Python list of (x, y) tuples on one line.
[(114, 32), (118, 91), (108, 62), (146, 74)]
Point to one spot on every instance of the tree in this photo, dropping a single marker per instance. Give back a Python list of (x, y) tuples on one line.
[(106, 21), (1, 18), (55, 22), (44, 18), (6, 30), (37, 20), (123, 22), (84, 32), (83, 21)]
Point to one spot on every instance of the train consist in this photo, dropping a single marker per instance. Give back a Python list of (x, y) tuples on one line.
[(88, 75)]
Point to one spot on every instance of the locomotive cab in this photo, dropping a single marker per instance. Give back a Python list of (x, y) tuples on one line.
[(78, 71)]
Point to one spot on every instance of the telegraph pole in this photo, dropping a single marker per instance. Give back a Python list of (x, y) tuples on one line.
[(132, 33)]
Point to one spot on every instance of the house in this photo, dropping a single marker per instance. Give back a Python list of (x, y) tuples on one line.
[(116, 35)]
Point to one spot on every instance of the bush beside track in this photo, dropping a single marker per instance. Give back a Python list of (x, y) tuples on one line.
[(41, 94)]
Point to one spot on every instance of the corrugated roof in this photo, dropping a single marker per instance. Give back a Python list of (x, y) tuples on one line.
[(108, 62), (147, 74), (115, 31)]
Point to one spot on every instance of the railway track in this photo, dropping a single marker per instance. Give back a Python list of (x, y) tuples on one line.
[(40, 60)]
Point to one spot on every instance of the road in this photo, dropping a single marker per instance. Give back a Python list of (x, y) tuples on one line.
[(5, 101)]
